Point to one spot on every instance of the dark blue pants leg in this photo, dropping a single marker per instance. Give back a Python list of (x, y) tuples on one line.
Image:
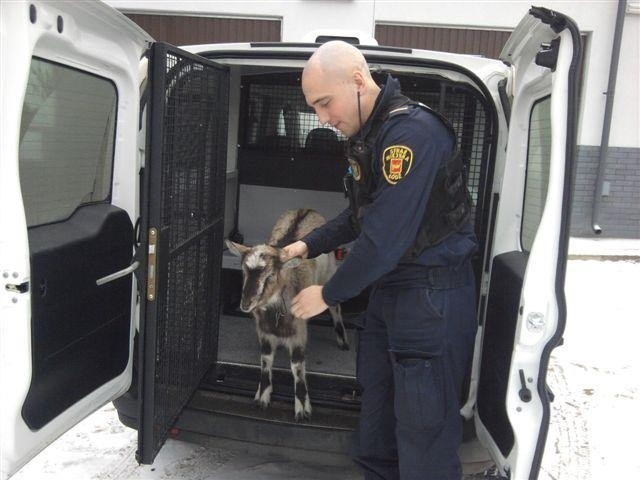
[(375, 443), (413, 354)]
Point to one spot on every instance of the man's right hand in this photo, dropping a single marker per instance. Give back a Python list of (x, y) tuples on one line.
[(296, 249)]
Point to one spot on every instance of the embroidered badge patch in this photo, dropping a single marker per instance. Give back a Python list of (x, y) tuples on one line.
[(396, 162)]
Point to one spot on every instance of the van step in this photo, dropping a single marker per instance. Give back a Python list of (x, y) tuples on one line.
[(237, 417), (279, 411), (327, 390)]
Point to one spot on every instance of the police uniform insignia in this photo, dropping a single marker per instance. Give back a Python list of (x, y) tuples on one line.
[(396, 162), (355, 169)]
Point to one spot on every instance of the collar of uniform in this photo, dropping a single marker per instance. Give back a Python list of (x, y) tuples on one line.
[(388, 90)]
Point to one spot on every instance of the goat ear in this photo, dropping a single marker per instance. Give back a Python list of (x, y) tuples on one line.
[(286, 261), (236, 248), (291, 263)]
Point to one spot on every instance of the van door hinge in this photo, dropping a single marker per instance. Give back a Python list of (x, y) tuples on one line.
[(484, 286), (151, 264), (548, 54)]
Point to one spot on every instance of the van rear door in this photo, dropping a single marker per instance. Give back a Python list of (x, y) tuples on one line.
[(524, 313), (73, 146), (70, 91)]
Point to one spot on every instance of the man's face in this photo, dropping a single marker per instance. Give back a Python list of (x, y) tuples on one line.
[(334, 100)]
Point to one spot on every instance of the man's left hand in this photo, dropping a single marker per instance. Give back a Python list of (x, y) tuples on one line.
[(308, 302)]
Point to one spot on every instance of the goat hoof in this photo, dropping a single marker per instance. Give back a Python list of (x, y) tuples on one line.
[(302, 416)]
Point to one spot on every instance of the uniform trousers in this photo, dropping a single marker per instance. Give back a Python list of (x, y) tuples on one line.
[(413, 355)]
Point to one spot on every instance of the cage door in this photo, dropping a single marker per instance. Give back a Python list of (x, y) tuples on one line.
[(182, 230)]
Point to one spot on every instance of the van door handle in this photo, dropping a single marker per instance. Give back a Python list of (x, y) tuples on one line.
[(122, 273), (13, 288)]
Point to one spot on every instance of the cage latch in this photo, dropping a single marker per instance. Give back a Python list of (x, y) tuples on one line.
[(151, 264)]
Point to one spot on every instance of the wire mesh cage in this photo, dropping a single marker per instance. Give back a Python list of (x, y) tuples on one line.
[(283, 139)]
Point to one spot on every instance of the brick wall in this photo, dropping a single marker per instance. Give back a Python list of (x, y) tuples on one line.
[(620, 210)]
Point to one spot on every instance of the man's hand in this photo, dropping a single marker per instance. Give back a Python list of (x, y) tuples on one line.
[(296, 249), (308, 302)]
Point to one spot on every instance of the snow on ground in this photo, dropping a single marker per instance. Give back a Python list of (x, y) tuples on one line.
[(595, 376)]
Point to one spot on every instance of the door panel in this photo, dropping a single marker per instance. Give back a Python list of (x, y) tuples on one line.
[(525, 309), (183, 232), (499, 336), (80, 331), (68, 136)]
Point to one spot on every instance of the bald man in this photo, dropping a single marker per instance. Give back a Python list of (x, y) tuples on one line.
[(412, 243)]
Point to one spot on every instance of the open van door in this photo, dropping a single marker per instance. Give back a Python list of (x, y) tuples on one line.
[(75, 99), (524, 304), (70, 91)]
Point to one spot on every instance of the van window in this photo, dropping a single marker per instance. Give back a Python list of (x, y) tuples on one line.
[(279, 118), (66, 141), (282, 142), (537, 173)]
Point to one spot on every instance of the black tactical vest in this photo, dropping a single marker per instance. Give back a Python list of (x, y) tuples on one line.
[(449, 205)]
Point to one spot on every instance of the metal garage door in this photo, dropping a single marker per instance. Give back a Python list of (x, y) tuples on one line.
[(189, 30), (487, 43)]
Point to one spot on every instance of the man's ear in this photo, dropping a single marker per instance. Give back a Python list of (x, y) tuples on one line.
[(236, 248), (358, 80)]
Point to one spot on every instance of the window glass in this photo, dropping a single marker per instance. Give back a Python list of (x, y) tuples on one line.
[(66, 141), (538, 161)]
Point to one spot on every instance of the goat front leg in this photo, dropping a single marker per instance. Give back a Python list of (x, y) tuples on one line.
[(338, 327), (302, 403), (265, 387)]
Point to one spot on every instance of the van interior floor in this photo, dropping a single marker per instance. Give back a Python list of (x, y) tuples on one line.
[(330, 370), (238, 344)]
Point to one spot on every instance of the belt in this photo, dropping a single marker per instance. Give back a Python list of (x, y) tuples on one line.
[(428, 276)]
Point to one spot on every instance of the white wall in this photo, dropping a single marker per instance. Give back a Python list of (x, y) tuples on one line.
[(626, 105), (596, 18)]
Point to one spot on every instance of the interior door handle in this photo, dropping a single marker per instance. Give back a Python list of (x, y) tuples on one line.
[(122, 273)]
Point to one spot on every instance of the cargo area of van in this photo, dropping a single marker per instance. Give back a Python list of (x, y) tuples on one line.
[(279, 157)]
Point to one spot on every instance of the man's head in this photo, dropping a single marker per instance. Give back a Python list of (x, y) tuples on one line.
[(332, 80)]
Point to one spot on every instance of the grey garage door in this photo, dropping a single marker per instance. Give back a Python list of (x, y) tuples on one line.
[(189, 30), (487, 43)]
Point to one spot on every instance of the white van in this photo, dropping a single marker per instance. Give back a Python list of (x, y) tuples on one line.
[(125, 163)]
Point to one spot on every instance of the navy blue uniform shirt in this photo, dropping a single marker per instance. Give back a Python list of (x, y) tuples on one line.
[(392, 220)]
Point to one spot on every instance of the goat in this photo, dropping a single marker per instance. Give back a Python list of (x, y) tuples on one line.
[(270, 282)]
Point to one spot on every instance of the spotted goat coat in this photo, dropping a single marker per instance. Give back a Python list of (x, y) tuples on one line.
[(269, 285)]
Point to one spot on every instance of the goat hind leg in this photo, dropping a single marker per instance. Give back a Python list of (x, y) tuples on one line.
[(302, 403), (338, 327)]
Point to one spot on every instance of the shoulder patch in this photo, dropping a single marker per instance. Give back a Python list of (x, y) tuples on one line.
[(396, 162)]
